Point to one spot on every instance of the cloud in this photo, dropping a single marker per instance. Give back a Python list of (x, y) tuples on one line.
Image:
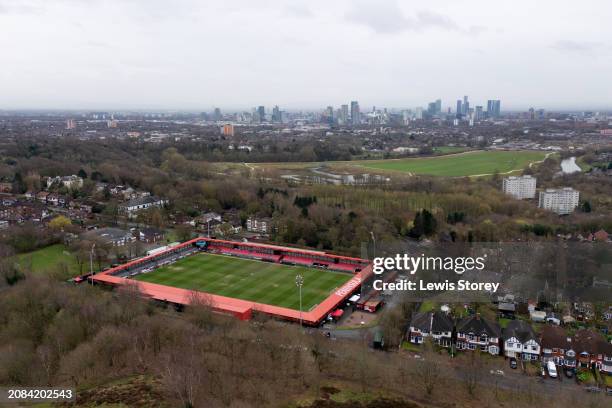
[(582, 47), (19, 7), (383, 17), (299, 10), (427, 19), (386, 17)]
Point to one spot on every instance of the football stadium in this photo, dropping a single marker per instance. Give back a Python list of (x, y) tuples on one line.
[(245, 278)]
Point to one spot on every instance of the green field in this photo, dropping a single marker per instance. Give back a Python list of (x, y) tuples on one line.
[(459, 165), (48, 259), (257, 281), (449, 149)]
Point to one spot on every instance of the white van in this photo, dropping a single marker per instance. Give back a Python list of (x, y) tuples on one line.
[(552, 369)]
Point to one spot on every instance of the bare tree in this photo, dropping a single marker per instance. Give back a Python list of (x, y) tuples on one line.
[(427, 370), (201, 308), (471, 370)]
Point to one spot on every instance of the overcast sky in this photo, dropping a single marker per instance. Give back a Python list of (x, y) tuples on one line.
[(189, 54)]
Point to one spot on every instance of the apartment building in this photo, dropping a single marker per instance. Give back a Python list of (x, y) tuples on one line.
[(521, 188), (559, 200)]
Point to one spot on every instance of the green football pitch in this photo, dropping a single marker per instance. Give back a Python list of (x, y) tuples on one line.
[(257, 281)]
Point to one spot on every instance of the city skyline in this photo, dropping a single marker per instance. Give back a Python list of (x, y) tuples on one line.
[(192, 55)]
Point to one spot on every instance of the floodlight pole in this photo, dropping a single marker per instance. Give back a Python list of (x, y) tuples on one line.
[(299, 281), (91, 253)]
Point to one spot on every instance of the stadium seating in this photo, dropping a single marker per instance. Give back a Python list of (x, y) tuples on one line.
[(344, 267), (298, 260)]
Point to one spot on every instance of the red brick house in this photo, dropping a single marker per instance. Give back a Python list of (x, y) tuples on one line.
[(557, 347), (592, 350), (475, 332)]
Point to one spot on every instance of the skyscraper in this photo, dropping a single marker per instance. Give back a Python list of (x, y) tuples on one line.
[(217, 114), (459, 109), (493, 108), (261, 111), (355, 114), (328, 115), (479, 113), (438, 106), (466, 106), (276, 114), (431, 108), (343, 114), (418, 113)]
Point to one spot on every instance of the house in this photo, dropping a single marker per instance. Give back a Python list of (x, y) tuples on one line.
[(65, 181), (131, 207), (475, 332), (209, 222), (53, 199), (506, 310), (226, 228), (148, 235), (557, 347), (111, 236), (30, 195), (261, 225), (531, 305), (42, 196), (208, 217), (520, 341), (583, 311), (593, 351), (84, 206), (442, 326), (420, 327)]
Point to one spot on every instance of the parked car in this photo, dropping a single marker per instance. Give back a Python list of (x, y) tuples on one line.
[(552, 369), (593, 389), (513, 363)]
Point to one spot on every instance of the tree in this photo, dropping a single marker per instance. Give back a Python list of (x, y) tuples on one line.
[(19, 186), (586, 207), (471, 367), (424, 224), (184, 232), (60, 223), (427, 371), (82, 174), (200, 309)]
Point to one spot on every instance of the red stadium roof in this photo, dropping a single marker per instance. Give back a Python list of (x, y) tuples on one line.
[(240, 308)]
